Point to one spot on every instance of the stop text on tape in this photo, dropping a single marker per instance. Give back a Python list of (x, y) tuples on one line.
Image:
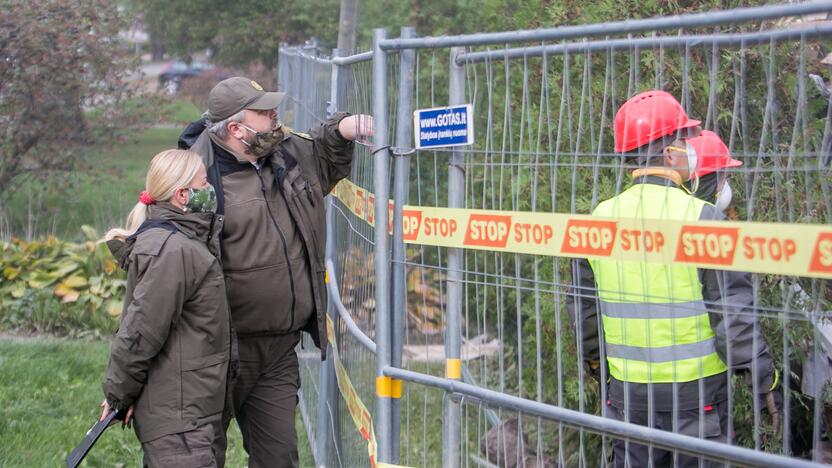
[(775, 248)]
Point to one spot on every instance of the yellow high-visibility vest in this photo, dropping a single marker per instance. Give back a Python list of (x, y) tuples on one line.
[(655, 324)]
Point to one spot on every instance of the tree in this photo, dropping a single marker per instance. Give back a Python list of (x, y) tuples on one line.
[(239, 33), (62, 82), (347, 25)]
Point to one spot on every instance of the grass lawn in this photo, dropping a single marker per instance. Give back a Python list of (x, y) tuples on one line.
[(101, 191), (180, 111), (101, 195), (50, 388), (49, 396)]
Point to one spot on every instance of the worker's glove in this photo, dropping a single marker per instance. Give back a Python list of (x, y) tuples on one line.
[(772, 401), (593, 368)]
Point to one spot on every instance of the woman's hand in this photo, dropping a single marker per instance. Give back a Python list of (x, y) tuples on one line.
[(106, 410)]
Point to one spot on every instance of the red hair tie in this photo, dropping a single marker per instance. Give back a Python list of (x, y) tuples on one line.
[(146, 199)]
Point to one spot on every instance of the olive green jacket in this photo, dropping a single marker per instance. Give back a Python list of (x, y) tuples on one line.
[(170, 355), (275, 233)]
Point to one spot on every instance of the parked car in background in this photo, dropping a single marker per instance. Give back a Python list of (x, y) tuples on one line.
[(177, 71)]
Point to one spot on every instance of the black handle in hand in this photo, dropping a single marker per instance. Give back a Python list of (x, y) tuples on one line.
[(74, 459)]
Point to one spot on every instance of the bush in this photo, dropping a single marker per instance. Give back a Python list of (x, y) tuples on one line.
[(57, 287), (63, 84)]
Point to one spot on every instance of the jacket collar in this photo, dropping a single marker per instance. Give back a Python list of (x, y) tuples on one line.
[(226, 152), (121, 250), (203, 227), (228, 161), (191, 134), (659, 176), (654, 180)]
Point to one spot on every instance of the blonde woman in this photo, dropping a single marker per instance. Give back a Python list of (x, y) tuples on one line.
[(169, 359)]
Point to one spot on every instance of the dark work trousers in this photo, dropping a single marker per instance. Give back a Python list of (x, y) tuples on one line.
[(714, 427), (190, 449), (265, 396)]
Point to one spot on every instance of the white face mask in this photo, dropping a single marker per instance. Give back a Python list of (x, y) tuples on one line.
[(723, 198), (693, 159)]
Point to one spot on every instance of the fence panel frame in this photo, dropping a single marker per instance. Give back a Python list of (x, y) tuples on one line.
[(390, 320)]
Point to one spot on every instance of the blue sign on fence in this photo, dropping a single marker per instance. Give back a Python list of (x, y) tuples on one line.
[(443, 126)]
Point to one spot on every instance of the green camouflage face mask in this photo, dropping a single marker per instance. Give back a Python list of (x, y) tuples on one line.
[(264, 142), (202, 200)]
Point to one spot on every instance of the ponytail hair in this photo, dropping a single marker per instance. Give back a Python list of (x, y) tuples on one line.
[(168, 171)]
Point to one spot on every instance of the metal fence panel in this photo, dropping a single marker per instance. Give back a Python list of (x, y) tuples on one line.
[(351, 244), (305, 106), (544, 137)]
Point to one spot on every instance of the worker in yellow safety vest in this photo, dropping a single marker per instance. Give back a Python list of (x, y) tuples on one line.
[(661, 337)]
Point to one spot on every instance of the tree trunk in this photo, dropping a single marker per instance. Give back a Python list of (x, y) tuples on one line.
[(157, 49), (346, 27)]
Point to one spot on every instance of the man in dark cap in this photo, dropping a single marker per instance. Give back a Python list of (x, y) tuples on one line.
[(271, 182)]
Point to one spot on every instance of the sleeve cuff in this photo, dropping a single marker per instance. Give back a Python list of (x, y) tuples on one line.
[(336, 121), (116, 404), (775, 381), (768, 383)]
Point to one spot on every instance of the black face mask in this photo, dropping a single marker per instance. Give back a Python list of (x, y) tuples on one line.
[(707, 187)]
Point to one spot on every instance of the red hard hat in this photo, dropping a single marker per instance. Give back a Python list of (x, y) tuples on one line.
[(711, 153), (646, 117)]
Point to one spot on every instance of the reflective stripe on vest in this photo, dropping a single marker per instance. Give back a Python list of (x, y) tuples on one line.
[(656, 325), (662, 353), (656, 310)]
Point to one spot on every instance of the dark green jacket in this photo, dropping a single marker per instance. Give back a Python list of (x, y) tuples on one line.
[(170, 355), (275, 231)]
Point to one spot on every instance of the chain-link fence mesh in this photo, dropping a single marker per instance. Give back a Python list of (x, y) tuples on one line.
[(545, 132), (544, 143), (352, 255), (304, 73), (303, 107)]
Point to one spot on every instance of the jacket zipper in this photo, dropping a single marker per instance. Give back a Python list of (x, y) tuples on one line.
[(315, 288), (210, 232), (282, 239), (312, 268), (307, 187), (231, 375)]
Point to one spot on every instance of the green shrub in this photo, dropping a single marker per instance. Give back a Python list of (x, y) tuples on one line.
[(53, 286)]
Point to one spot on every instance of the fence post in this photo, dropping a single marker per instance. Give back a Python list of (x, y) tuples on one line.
[(328, 398), (401, 184), (453, 330), (278, 69), (308, 87), (381, 187), (297, 85)]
